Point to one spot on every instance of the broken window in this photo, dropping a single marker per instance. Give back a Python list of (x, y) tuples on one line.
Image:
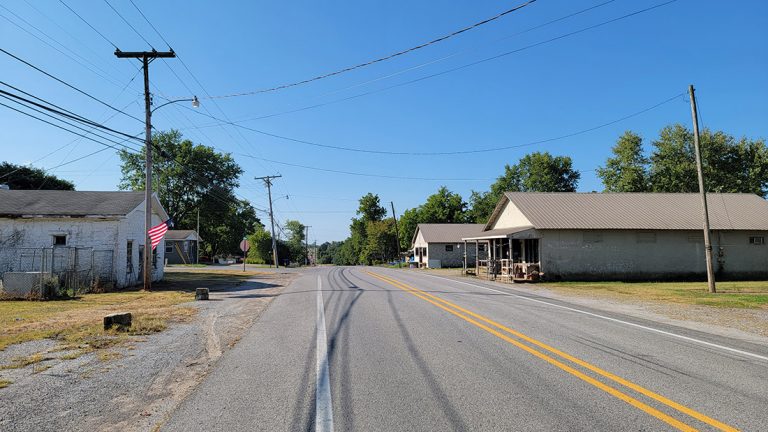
[(60, 240)]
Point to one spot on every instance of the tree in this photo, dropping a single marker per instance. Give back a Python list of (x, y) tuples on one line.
[(379, 243), (189, 178), (728, 165), (627, 170), (370, 208), (295, 242), (542, 172), (407, 227), (535, 172), (20, 177), (443, 207), (261, 246)]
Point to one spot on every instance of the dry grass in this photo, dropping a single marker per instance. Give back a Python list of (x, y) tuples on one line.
[(20, 362), (743, 294), (5, 383), (80, 320)]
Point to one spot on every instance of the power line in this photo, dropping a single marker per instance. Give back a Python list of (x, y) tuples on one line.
[(381, 59), (67, 114), (89, 24), (364, 174), (129, 24), (150, 23), (69, 85), (447, 71), (458, 152)]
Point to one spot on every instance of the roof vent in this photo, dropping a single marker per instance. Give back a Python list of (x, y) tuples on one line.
[(4, 187)]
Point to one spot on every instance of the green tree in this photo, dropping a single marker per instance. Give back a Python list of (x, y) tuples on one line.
[(729, 165), (407, 227), (189, 178), (295, 242), (627, 169), (535, 172), (443, 206), (370, 208), (261, 246), (20, 177), (379, 244)]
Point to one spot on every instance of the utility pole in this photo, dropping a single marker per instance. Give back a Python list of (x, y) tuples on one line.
[(146, 58), (197, 236), (397, 233), (268, 183), (697, 148), (306, 243)]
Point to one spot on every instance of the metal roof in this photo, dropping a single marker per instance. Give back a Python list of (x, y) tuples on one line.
[(58, 203), (500, 233), (182, 235), (658, 211), (448, 233)]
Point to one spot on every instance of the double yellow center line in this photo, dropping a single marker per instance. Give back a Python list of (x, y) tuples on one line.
[(506, 334)]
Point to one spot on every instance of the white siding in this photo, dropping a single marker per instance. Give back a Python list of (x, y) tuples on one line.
[(510, 217)]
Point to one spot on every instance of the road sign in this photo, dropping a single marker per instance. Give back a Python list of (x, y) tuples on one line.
[(244, 245)]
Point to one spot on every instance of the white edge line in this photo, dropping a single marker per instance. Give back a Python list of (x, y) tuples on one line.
[(323, 404), (690, 339)]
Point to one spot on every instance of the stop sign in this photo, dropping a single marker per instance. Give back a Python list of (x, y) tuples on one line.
[(244, 246)]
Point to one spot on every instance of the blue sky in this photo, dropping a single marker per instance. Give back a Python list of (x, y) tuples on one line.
[(550, 90)]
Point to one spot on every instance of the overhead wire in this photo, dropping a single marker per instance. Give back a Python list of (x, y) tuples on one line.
[(128, 23), (88, 24), (384, 58), (68, 84)]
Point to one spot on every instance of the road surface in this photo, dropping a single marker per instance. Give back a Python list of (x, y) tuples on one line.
[(371, 349)]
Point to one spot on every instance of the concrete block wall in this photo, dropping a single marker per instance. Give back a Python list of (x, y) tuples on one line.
[(628, 255), (436, 251)]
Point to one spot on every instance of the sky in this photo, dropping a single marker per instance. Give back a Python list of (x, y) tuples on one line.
[(553, 83)]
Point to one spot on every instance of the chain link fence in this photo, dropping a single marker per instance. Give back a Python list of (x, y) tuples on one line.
[(57, 271)]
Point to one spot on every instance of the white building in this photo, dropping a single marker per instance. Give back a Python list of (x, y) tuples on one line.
[(622, 236), (77, 235), (441, 245)]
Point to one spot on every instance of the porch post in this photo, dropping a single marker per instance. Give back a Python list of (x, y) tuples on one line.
[(465, 257), (477, 258)]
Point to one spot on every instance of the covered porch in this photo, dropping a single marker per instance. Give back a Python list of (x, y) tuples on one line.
[(507, 254)]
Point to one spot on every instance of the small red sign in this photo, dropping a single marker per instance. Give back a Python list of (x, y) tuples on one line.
[(244, 246)]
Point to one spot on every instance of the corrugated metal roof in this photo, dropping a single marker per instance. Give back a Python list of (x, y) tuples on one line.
[(448, 233), (68, 203), (500, 233), (658, 211)]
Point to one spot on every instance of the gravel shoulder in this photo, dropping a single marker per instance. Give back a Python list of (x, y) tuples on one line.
[(134, 386)]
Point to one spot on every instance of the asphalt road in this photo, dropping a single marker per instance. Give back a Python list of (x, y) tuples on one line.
[(397, 350)]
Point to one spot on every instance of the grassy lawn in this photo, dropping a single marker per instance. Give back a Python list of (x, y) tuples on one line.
[(77, 323), (746, 294)]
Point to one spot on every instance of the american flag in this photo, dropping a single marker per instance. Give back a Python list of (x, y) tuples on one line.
[(157, 232)]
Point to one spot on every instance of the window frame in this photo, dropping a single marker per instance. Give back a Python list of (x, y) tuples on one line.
[(55, 237), (449, 248), (753, 240)]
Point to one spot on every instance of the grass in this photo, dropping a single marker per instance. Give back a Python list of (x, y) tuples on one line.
[(5, 383), (20, 362), (732, 294)]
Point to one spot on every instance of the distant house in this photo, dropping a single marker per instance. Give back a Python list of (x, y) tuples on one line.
[(441, 245), (80, 237), (181, 246), (622, 236)]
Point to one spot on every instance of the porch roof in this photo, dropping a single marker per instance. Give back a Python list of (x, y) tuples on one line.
[(501, 233)]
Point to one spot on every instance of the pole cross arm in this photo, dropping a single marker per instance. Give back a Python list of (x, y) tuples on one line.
[(143, 54)]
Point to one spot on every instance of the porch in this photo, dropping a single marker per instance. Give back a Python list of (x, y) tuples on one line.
[(510, 255)]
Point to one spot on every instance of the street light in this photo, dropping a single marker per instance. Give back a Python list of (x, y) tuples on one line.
[(194, 100)]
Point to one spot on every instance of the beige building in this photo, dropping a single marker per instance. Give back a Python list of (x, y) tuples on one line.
[(441, 245), (621, 236)]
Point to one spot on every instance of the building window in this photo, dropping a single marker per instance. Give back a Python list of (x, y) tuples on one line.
[(646, 237), (168, 248), (757, 241), (449, 248), (481, 247), (593, 237), (60, 240)]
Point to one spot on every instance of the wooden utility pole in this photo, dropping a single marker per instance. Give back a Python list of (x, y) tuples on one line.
[(197, 239), (146, 58), (268, 183), (703, 192), (397, 233), (306, 244)]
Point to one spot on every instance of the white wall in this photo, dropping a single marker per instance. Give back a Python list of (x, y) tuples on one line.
[(510, 217)]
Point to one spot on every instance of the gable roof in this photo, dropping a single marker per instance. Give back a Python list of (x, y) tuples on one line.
[(660, 211), (447, 233), (58, 203), (182, 235)]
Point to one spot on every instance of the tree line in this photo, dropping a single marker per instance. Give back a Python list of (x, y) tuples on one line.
[(730, 164)]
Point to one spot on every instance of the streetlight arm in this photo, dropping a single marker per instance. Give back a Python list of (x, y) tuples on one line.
[(194, 100)]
